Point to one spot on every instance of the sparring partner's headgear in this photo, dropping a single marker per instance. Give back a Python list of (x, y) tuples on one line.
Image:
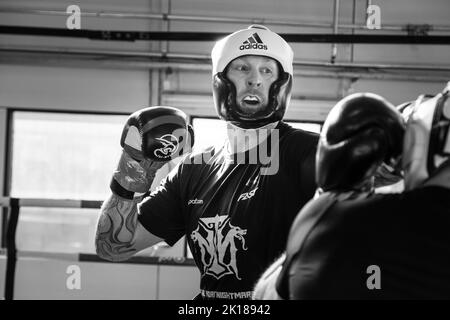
[(256, 40), (427, 138), (362, 131)]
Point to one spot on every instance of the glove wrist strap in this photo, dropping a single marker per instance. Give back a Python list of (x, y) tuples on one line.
[(120, 191)]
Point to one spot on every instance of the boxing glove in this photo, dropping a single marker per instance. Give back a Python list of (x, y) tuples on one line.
[(157, 133), (150, 138), (362, 131)]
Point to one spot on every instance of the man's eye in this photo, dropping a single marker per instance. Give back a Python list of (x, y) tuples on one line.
[(242, 68)]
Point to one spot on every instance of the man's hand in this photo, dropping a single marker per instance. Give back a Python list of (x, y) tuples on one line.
[(134, 176), (151, 137)]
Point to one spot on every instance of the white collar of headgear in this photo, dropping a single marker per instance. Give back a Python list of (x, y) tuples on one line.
[(247, 135)]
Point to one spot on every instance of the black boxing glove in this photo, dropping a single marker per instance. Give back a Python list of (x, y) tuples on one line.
[(361, 132), (157, 133), (151, 137)]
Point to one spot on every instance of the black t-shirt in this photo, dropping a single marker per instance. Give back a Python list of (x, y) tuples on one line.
[(236, 218), (394, 246)]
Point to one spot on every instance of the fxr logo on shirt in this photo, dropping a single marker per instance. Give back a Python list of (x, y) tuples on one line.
[(247, 195)]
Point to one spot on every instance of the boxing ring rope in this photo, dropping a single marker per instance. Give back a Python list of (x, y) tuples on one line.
[(11, 254), (51, 203), (11, 250)]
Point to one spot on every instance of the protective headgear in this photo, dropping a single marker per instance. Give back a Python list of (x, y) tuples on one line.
[(256, 40), (427, 138), (362, 131)]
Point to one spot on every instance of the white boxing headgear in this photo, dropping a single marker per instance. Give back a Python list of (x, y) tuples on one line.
[(255, 40), (260, 41)]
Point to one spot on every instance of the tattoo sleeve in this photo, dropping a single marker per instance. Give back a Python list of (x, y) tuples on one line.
[(116, 229)]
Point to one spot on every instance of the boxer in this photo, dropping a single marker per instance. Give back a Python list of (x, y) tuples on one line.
[(235, 212)]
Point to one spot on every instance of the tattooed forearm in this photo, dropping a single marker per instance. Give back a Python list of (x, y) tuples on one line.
[(116, 228)]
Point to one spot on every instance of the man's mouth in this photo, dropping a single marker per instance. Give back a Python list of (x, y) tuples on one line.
[(251, 100)]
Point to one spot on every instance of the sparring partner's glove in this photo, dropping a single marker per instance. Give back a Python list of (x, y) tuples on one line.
[(361, 132), (150, 138), (389, 174)]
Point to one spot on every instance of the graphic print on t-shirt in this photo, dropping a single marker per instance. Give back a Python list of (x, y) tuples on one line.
[(218, 242)]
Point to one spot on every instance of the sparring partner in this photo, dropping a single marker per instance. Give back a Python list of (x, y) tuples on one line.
[(394, 246), (235, 208), (362, 134)]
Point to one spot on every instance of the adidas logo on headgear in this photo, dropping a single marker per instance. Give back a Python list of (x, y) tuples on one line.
[(253, 42)]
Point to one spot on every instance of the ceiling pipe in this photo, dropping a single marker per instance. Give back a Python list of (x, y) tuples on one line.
[(130, 36), (202, 63), (206, 59), (194, 18)]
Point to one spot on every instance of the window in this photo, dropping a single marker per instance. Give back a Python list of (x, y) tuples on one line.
[(56, 229), (66, 156), (62, 156)]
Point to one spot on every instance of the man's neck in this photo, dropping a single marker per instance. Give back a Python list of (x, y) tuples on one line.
[(241, 140)]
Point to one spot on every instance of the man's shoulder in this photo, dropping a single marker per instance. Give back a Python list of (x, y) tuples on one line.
[(205, 155), (297, 144), (192, 166), (294, 135)]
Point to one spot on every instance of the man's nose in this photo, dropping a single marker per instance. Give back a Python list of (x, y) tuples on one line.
[(254, 79)]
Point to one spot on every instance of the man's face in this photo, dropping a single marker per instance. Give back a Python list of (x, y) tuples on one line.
[(252, 76)]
